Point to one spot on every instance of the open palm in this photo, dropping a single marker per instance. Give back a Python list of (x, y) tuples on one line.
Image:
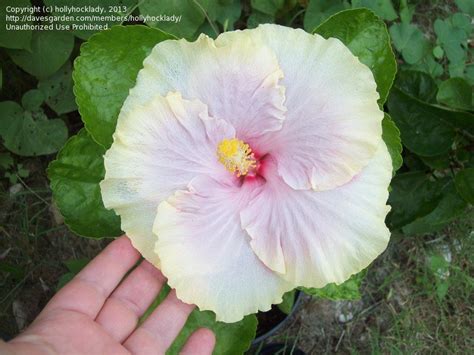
[(96, 313)]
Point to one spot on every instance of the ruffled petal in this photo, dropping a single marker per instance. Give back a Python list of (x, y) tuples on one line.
[(238, 81), (333, 124), (158, 148), (206, 255), (314, 238)]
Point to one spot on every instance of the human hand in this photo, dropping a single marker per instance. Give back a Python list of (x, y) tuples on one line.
[(95, 313)]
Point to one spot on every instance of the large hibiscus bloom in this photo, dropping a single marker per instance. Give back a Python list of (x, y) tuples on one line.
[(249, 165)]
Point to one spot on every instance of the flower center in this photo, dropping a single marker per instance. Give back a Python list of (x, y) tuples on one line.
[(236, 156)]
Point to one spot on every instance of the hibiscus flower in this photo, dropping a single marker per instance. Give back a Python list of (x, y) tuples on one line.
[(249, 165)]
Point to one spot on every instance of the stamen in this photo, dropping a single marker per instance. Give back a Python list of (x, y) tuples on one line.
[(236, 156)]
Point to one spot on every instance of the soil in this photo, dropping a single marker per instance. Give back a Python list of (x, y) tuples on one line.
[(268, 320)]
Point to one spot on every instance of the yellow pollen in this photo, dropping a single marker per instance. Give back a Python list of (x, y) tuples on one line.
[(236, 156)]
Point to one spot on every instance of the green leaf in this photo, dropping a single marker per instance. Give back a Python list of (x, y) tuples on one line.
[(391, 137), (74, 266), (464, 181), (413, 196), (231, 338), (102, 20), (288, 302), (106, 70), (428, 65), (24, 135), (417, 84), (383, 8), (449, 207), (75, 176), (349, 290), (57, 90), (11, 38), (190, 11), (422, 127), (256, 18), (406, 11), (49, 51), (410, 42), (466, 6), (226, 12), (367, 37), (269, 7), (6, 161), (32, 100), (456, 93), (438, 52), (453, 34), (438, 162), (319, 10)]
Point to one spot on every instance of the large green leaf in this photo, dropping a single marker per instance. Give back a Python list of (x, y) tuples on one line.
[(367, 37), (11, 38), (449, 207), (391, 137), (49, 51), (349, 290), (465, 184), (456, 93), (108, 13), (413, 196), (30, 133), (106, 70), (75, 176), (417, 84), (191, 12), (423, 127), (226, 12)]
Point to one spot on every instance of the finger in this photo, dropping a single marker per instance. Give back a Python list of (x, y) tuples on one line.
[(89, 289), (201, 342), (160, 329), (130, 300)]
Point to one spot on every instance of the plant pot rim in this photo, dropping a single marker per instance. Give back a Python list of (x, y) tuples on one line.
[(277, 327)]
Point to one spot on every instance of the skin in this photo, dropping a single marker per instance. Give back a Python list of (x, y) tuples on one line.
[(97, 312)]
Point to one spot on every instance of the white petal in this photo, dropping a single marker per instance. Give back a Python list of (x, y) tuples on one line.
[(313, 238), (158, 148), (333, 124), (206, 255), (238, 81)]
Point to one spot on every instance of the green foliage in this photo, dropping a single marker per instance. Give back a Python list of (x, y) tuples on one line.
[(383, 8), (18, 125), (49, 51), (104, 73), (288, 302), (73, 266), (465, 184), (410, 41), (57, 90), (190, 10), (391, 137), (320, 10), (453, 34), (456, 93), (367, 37), (109, 7), (9, 38), (349, 290), (231, 338), (75, 176)]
